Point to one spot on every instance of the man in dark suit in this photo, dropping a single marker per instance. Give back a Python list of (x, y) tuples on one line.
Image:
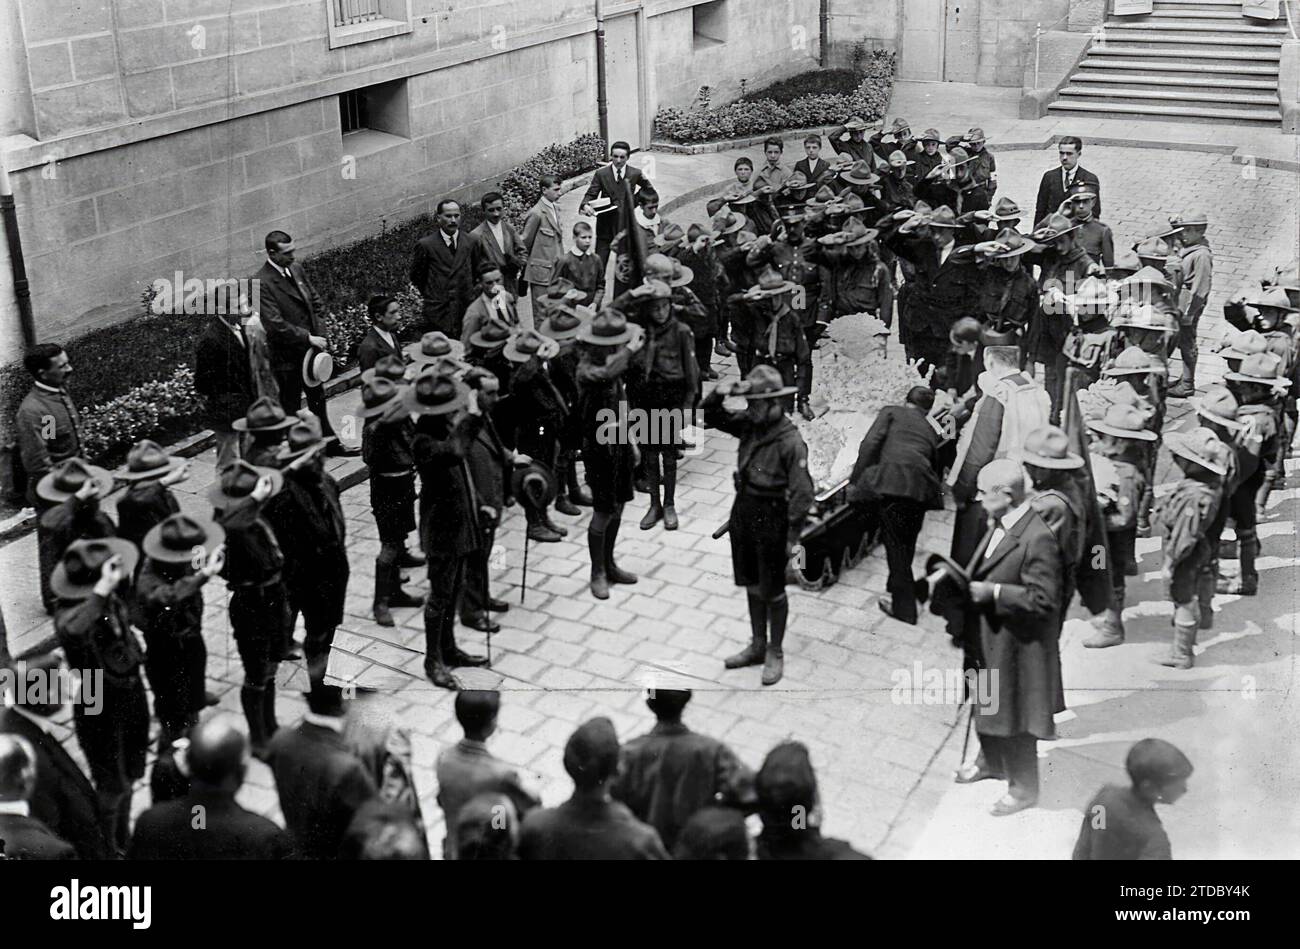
[(294, 317), (63, 798), (442, 270), (381, 339), (497, 242), (23, 837), (206, 823), (608, 183), (490, 464), (223, 373), (1055, 186), (812, 166), (1014, 602), (321, 781), (896, 480)]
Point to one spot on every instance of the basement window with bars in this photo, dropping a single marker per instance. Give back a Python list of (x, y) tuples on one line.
[(362, 21), (374, 118)]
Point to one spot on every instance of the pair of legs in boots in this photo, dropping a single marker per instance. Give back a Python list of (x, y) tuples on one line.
[(661, 479), (1244, 511), (389, 595), (441, 654), (258, 617), (767, 620), (1123, 562), (1187, 611), (1185, 387), (601, 537), (570, 497)]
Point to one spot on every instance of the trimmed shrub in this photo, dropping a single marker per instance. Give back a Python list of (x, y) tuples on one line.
[(755, 116), (161, 407), (814, 83)]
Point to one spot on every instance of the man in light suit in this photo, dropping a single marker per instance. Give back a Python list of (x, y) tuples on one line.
[(492, 302), (1013, 607), (497, 242), (608, 183), (1056, 184), (294, 316), (441, 271), (543, 240)]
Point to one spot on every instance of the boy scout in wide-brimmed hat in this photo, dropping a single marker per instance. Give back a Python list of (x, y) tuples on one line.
[(1261, 389), (773, 495), (1183, 515), (74, 490), (265, 424), (150, 473), (1193, 274), (1219, 411), (1120, 448), (1058, 497)]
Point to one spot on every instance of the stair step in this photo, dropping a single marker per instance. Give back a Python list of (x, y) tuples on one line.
[(1208, 82), (1273, 116), (1202, 7), (1171, 95), (1237, 26), (1233, 15), (1113, 47), (1159, 66), (1111, 37)]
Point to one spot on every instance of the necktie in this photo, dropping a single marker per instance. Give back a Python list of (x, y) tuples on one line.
[(451, 243)]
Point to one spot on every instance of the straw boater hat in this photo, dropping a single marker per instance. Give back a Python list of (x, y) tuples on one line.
[(563, 322), (1123, 421), (435, 347), (1262, 368), (764, 382), (238, 479), (770, 284), (609, 327), (1053, 227), (264, 415), (317, 367), (378, 395), (1134, 362), (146, 460), (68, 477), (182, 539), (1049, 447), (1200, 446), (78, 572), (727, 222), (860, 174), (435, 393), (491, 336), (1220, 406), (1007, 210), (524, 346), (305, 436), (682, 275)]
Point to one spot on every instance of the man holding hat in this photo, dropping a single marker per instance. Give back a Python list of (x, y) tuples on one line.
[(540, 415), (308, 521), (150, 473), (590, 825), (259, 603), (182, 554), (386, 450), (93, 626), (1183, 516), (1193, 283), (1015, 598), (773, 496)]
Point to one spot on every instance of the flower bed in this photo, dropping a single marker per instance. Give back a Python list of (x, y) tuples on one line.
[(751, 115)]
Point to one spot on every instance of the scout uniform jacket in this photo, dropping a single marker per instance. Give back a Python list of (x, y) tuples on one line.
[(145, 504), (1183, 516), (96, 633), (1120, 511), (1193, 280)]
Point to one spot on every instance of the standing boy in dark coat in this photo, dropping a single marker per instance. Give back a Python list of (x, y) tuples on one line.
[(148, 501), (1122, 823), (381, 339)]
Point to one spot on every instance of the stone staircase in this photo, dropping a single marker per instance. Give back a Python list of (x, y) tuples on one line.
[(1186, 61)]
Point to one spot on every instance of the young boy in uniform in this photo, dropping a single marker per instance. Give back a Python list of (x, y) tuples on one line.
[(150, 473)]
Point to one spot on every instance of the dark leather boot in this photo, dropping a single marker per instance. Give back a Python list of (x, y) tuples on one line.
[(384, 575), (251, 699), (575, 491), (409, 559), (596, 550), (612, 570)]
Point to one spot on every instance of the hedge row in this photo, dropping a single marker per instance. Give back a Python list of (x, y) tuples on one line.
[(137, 376), (749, 116)]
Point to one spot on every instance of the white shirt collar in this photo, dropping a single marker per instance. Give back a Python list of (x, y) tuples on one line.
[(1014, 516), (324, 721), (496, 229), (647, 223), (22, 808), (448, 238), (386, 336), (42, 385)]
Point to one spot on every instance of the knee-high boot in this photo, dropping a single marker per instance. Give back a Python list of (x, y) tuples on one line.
[(1181, 654), (596, 551), (576, 493), (252, 698), (1247, 581), (268, 709), (756, 652), (613, 571), (778, 611)]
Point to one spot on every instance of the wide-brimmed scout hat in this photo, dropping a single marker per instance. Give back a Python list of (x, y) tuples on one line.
[(435, 347), (899, 159), (770, 284), (957, 156), (940, 567), (899, 125), (1262, 368), (942, 216), (862, 173), (1126, 264), (69, 476), (1093, 293), (182, 539), (823, 198), (1143, 316), (1013, 244), (982, 216), (1053, 227), (739, 195), (306, 435), (1200, 446), (392, 368), (317, 367), (524, 346), (491, 336), (727, 222), (1123, 421), (1193, 218), (1134, 361), (1275, 298), (77, 573), (238, 479), (764, 382), (1049, 447), (534, 485), (748, 240), (798, 181), (435, 393), (1160, 231), (975, 136), (147, 459), (1218, 405), (671, 236), (561, 290), (682, 275), (1246, 343), (563, 322), (856, 123), (1152, 248), (378, 395), (1147, 277), (931, 135), (609, 327), (1007, 210), (264, 415), (846, 205)]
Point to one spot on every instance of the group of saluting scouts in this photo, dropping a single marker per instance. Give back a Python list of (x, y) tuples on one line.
[(513, 390)]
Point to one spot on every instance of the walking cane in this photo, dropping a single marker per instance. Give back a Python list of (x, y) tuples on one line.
[(523, 581)]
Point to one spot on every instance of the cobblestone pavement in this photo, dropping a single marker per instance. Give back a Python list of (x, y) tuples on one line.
[(563, 657)]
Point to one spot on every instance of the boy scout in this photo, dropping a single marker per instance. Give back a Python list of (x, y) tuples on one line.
[(1218, 411), (1193, 281), (1184, 515), (1258, 389), (150, 473)]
